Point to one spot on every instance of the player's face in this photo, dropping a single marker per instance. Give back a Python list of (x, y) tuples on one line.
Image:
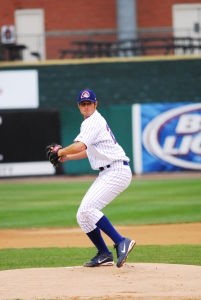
[(87, 108)]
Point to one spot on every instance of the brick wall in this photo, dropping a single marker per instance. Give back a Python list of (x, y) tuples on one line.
[(157, 13), (65, 15), (91, 14), (87, 14)]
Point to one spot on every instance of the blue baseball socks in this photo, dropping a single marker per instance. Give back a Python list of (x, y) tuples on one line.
[(97, 240), (105, 225)]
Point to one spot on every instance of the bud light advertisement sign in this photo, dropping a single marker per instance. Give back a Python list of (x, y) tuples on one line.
[(170, 137)]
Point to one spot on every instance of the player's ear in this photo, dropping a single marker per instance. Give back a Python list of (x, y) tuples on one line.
[(96, 103)]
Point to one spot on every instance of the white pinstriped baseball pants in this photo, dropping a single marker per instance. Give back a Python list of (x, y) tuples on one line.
[(110, 183)]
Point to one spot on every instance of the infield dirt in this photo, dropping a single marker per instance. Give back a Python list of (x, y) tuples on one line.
[(170, 234)]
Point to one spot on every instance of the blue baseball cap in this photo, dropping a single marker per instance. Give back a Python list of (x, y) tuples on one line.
[(86, 95)]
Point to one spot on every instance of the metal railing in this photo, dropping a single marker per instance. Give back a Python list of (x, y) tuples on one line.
[(102, 43)]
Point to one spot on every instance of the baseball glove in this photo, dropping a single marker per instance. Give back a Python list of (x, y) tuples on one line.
[(52, 154)]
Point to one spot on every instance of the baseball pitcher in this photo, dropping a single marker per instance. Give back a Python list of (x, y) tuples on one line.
[(97, 143)]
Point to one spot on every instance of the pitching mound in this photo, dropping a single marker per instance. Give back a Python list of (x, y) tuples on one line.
[(132, 281)]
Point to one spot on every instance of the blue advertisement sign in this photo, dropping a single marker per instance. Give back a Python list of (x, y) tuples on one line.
[(170, 137)]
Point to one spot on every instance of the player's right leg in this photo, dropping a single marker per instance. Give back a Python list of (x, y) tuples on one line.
[(104, 256), (101, 259)]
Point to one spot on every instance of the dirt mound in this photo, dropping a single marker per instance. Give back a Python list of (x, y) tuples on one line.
[(132, 281)]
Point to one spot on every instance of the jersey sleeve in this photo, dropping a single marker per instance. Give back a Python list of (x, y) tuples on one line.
[(88, 132)]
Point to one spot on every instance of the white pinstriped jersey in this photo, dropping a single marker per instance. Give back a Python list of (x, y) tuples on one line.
[(102, 148)]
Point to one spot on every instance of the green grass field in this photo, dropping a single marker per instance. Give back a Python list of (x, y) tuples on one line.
[(26, 205), (62, 257), (144, 202)]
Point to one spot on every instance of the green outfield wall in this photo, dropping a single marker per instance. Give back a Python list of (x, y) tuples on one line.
[(118, 81)]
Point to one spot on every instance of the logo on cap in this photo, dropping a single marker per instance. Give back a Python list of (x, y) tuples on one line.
[(85, 94)]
